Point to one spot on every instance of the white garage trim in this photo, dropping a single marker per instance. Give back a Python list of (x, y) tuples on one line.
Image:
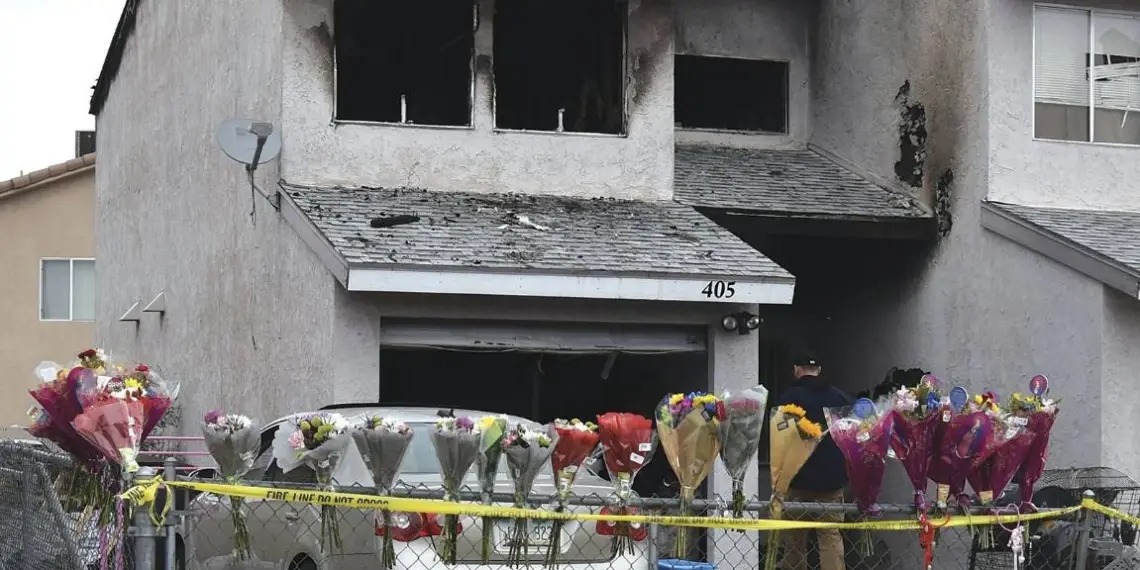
[(534, 336), (734, 290)]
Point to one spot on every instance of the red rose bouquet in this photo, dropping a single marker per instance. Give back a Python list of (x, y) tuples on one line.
[(917, 420), (628, 444), (1038, 412), (576, 441)]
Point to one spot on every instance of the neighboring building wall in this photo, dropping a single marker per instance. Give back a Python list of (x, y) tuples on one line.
[(479, 159), (777, 30), (249, 322), (54, 220), (1118, 381), (1046, 173), (979, 310)]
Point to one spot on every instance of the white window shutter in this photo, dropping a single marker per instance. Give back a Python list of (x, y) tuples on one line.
[(1117, 35), (1061, 44)]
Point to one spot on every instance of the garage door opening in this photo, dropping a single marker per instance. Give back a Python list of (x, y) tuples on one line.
[(544, 372)]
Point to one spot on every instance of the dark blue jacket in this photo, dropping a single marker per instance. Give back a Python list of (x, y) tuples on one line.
[(825, 470)]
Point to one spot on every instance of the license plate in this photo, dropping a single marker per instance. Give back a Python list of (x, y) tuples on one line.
[(538, 533)]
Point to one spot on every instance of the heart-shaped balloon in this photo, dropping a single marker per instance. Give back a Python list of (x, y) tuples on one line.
[(959, 397), (1039, 385)]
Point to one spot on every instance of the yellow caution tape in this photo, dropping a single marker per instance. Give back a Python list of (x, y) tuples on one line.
[(145, 492)]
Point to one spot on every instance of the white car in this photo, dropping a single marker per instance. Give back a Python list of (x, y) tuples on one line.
[(286, 536)]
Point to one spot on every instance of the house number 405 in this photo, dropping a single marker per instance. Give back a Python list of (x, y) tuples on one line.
[(719, 289)]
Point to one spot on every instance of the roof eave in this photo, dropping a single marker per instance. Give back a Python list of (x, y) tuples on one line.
[(312, 237), (1062, 250)]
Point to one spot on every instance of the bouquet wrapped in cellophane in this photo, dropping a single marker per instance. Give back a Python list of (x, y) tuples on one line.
[(793, 438), (527, 450), (492, 430), (862, 432), (627, 445), (383, 442), (1039, 413), (576, 441), (688, 429), (456, 442), (740, 433), (233, 441), (967, 437), (990, 475), (917, 420), (318, 442)]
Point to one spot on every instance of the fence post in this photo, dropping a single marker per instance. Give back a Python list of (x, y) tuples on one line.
[(169, 473), (27, 506), (143, 530), (1084, 528), (651, 547)]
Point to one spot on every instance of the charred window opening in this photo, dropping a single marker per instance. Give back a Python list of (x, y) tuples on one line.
[(731, 94), (404, 62), (554, 55)]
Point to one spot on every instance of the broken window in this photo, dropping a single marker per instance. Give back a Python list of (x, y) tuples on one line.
[(731, 94), (404, 62), (560, 65)]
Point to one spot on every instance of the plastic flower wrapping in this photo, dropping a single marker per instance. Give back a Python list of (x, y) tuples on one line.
[(527, 451), (576, 441), (917, 415), (456, 442), (58, 398), (1038, 412), (383, 443), (967, 438), (990, 475), (863, 433), (740, 433), (628, 443), (234, 442), (792, 438), (688, 427), (317, 441), (492, 430)]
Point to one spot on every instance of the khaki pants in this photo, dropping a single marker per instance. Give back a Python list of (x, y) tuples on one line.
[(830, 540)]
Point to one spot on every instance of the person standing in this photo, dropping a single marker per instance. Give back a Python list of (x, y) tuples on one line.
[(824, 476)]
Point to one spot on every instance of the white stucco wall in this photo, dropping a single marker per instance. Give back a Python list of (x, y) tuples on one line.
[(777, 30), (1046, 173), (1121, 365), (248, 324), (480, 159)]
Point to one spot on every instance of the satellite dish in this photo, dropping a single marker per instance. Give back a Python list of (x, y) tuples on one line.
[(249, 142)]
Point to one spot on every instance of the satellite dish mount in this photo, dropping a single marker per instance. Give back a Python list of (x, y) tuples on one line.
[(251, 143)]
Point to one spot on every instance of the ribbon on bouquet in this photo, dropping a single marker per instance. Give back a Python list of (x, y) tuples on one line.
[(145, 492)]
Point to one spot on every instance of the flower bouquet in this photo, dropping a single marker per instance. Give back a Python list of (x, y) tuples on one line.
[(234, 442), (627, 445), (917, 420), (989, 477), (382, 443), (740, 433), (492, 430), (967, 437), (688, 428), (862, 432), (456, 442), (318, 442), (1038, 412), (527, 451), (793, 438), (576, 441), (57, 396)]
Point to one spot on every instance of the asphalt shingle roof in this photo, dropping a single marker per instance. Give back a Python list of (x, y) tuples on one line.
[(527, 232), (798, 182), (1113, 234)]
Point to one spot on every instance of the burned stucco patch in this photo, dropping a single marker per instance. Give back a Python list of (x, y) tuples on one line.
[(942, 195), (653, 35), (912, 138)]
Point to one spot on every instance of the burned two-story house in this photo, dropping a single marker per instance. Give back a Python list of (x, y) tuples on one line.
[(566, 207)]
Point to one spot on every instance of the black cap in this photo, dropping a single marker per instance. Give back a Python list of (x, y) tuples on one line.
[(806, 358)]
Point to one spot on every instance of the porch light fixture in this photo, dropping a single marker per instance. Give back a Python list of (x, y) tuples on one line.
[(742, 322)]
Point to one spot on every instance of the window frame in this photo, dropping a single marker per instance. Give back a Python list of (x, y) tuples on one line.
[(624, 95), (787, 63), (470, 126), (1091, 55), (70, 290)]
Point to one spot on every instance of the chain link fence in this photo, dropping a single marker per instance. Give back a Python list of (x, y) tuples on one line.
[(41, 528)]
